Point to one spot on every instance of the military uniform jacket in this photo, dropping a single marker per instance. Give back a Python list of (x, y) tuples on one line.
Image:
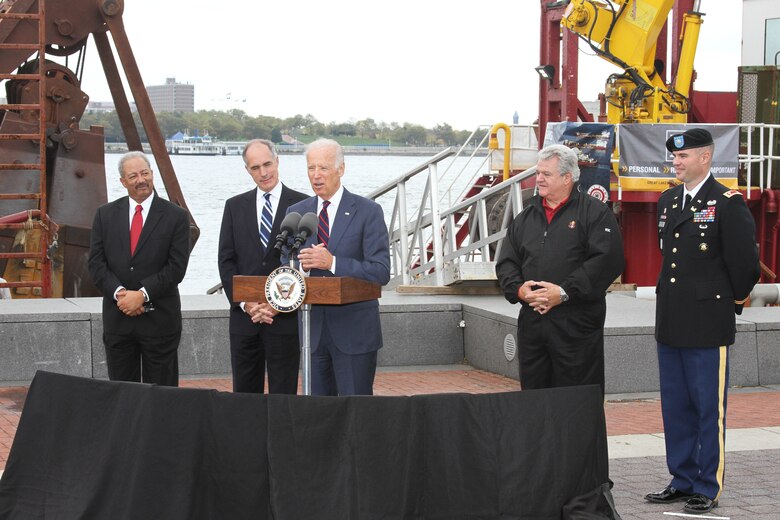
[(710, 260), (581, 250)]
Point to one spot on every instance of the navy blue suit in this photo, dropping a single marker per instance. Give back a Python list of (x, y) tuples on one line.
[(255, 346), (359, 241)]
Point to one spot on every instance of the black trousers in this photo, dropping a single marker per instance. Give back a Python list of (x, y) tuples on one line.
[(561, 348), (139, 358), (251, 356)]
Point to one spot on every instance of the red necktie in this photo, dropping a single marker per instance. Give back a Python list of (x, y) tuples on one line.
[(135, 228)]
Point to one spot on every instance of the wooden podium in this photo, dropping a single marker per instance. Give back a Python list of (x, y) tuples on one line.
[(320, 290)]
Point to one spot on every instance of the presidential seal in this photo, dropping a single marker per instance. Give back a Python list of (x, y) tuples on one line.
[(285, 289)]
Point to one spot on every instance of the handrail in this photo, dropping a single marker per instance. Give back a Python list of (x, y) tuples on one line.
[(426, 242), (447, 152)]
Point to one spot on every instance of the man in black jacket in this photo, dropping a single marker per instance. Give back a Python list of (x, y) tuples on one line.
[(710, 264), (558, 259), (250, 224)]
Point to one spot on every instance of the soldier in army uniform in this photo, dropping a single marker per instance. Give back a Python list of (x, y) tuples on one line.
[(710, 264)]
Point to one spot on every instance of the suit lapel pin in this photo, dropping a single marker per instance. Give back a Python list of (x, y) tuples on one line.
[(346, 213), (711, 202), (674, 206), (703, 247)]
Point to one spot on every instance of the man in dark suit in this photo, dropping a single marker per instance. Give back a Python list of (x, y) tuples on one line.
[(139, 250), (710, 264), (250, 225), (351, 241)]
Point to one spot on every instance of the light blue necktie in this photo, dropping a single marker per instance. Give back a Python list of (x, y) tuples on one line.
[(266, 221)]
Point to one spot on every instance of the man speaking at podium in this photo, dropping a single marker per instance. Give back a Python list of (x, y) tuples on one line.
[(351, 240)]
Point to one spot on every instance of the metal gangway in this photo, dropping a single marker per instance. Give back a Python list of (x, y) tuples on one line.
[(439, 240)]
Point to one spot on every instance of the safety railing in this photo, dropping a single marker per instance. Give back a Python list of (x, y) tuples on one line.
[(427, 239), (426, 233), (763, 160)]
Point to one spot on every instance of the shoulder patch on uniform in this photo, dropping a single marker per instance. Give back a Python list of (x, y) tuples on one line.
[(731, 193)]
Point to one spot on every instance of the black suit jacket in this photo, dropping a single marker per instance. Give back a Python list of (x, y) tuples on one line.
[(710, 260), (240, 252), (158, 265)]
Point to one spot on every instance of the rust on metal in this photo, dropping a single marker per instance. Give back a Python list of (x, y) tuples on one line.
[(52, 172)]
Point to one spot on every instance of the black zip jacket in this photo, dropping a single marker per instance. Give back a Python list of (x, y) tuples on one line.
[(581, 250)]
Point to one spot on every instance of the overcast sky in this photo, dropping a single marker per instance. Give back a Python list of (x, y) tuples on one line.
[(421, 61)]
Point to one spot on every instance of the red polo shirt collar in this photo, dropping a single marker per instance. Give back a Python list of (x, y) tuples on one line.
[(550, 212)]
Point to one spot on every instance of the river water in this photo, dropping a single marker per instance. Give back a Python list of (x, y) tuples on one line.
[(207, 182)]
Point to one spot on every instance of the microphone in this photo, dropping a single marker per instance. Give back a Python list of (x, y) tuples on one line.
[(288, 227), (306, 228)]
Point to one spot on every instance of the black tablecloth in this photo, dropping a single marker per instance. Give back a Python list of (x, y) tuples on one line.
[(96, 449)]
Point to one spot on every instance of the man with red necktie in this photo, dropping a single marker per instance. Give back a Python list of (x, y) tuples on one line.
[(139, 250)]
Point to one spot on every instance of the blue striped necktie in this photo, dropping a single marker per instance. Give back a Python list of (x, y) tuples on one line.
[(266, 221), (323, 228)]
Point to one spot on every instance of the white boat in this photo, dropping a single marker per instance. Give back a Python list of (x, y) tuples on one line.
[(194, 145)]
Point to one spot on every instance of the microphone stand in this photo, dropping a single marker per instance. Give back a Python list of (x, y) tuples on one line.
[(305, 335)]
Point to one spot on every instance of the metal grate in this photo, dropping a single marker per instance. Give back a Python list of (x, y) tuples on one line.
[(510, 347), (748, 93)]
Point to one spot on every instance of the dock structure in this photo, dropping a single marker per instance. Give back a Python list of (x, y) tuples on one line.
[(64, 336)]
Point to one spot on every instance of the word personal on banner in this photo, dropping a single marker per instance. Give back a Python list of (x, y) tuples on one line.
[(646, 164)]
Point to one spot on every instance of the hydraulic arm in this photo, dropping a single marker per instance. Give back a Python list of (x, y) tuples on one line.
[(625, 33)]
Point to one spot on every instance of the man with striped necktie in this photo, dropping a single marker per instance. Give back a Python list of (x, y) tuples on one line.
[(250, 224), (351, 240)]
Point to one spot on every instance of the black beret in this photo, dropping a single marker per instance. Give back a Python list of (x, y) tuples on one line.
[(693, 138)]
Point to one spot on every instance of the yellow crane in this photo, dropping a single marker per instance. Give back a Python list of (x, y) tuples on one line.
[(625, 33)]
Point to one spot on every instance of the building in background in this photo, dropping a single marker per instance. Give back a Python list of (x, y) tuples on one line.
[(172, 97), (760, 33)]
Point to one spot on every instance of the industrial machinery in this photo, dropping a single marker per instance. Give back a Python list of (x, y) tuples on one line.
[(52, 173), (626, 34), (632, 35)]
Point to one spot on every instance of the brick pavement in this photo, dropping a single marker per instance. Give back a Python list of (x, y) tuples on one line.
[(751, 488)]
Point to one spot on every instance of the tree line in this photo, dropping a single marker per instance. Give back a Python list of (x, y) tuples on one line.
[(236, 125)]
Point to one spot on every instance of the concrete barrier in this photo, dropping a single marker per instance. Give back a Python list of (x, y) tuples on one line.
[(65, 336)]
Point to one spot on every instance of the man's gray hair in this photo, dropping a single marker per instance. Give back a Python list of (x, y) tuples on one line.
[(567, 159), (254, 142), (326, 143), (132, 155)]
